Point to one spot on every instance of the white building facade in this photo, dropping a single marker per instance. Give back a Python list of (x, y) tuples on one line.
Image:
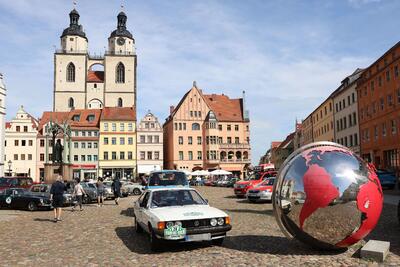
[(2, 123), (20, 145), (149, 144)]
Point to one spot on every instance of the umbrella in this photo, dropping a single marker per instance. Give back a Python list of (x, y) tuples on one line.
[(185, 171), (220, 172), (200, 172)]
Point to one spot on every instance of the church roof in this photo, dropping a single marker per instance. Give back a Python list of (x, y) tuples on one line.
[(74, 27), (118, 114), (95, 76)]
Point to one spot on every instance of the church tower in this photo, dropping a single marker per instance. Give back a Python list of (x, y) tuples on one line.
[(2, 123), (120, 67), (70, 67)]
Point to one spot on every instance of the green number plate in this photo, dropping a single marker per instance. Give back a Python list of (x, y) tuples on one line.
[(174, 232)]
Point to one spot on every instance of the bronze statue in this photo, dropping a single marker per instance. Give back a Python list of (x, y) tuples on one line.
[(57, 155)]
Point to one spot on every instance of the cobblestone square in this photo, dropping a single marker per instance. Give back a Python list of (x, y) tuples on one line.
[(106, 237)]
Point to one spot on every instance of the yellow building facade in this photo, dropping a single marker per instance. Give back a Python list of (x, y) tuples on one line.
[(117, 143), (323, 126)]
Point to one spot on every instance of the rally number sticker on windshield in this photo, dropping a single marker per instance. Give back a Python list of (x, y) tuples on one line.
[(8, 200), (174, 232)]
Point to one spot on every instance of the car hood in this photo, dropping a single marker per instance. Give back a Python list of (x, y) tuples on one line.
[(189, 212), (243, 182), (262, 188)]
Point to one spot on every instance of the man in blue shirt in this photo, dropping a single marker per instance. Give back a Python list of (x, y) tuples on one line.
[(57, 197)]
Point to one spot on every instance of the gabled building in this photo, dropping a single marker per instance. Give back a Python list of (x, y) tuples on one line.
[(207, 132)]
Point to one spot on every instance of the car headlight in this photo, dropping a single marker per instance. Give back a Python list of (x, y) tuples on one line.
[(221, 221), (213, 222), (169, 224)]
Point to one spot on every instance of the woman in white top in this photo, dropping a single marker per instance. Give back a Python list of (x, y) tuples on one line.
[(78, 194)]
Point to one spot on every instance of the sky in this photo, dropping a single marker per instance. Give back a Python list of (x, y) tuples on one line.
[(288, 55)]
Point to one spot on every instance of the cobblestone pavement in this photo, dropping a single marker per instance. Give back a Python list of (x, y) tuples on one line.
[(105, 237)]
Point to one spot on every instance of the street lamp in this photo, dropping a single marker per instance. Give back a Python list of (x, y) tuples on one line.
[(9, 166)]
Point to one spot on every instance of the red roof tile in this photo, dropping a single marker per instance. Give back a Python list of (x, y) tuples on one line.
[(95, 76), (225, 109), (118, 114), (8, 125), (275, 144)]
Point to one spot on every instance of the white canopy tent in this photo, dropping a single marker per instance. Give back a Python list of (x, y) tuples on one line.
[(220, 172), (200, 173)]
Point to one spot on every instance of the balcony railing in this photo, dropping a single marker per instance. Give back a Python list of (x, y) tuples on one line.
[(234, 146), (65, 51), (120, 53), (235, 160)]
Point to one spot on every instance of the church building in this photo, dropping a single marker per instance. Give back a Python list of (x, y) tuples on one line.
[(84, 81)]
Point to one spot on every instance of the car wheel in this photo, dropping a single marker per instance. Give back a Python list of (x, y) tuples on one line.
[(86, 200), (32, 206), (138, 228), (154, 241), (137, 191), (218, 242)]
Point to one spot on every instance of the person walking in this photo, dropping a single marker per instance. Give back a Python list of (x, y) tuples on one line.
[(57, 198), (78, 194), (100, 192), (116, 187)]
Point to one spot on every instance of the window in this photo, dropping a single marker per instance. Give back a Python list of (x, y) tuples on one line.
[(113, 140), (236, 140), (89, 133), (25, 129), (229, 140), (149, 139), (156, 155), (375, 132), (372, 86), (396, 71), (130, 127), (190, 154), (384, 129), (70, 102), (149, 155), (394, 127), (355, 139), (387, 76), (94, 157), (180, 140), (379, 81), (83, 145), (114, 155), (176, 126), (382, 103), (199, 155), (71, 72), (30, 143), (119, 102), (190, 140), (191, 113), (184, 126), (83, 158), (199, 140), (142, 139), (195, 126), (106, 126), (228, 127), (351, 140), (41, 157), (180, 155), (180, 126), (129, 155), (16, 142), (142, 155), (120, 73), (156, 139), (23, 142), (41, 142), (89, 145), (95, 145), (345, 140), (83, 133), (114, 127), (130, 141), (337, 107), (18, 128), (15, 156), (89, 158), (122, 127), (390, 100), (195, 113), (122, 140), (22, 156), (121, 155), (398, 96), (105, 140), (220, 127)]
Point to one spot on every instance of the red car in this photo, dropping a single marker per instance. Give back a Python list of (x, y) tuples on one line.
[(241, 187), (262, 191), (15, 182)]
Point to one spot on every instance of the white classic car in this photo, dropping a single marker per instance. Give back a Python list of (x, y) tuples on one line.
[(180, 215)]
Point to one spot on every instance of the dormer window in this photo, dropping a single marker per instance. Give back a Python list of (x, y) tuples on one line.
[(76, 117), (90, 118)]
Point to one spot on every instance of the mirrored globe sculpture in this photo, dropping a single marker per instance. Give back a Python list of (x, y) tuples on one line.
[(326, 196)]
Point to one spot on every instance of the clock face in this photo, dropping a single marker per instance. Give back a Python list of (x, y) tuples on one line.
[(120, 41)]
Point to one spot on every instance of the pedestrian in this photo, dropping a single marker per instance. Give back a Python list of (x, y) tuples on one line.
[(78, 194), (116, 187), (57, 198), (100, 192)]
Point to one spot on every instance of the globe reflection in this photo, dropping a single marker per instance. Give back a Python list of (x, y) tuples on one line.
[(326, 196)]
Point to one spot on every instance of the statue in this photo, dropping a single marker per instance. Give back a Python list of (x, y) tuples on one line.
[(58, 149)]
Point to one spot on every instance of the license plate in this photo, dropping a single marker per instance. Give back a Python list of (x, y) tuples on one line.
[(175, 232), (200, 237)]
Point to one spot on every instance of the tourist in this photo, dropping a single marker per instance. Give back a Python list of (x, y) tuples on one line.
[(56, 196), (100, 192), (116, 187), (78, 194)]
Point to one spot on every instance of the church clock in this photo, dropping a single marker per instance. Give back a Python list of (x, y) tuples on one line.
[(121, 41)]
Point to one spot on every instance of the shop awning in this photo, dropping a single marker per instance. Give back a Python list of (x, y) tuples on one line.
[(148, 168)]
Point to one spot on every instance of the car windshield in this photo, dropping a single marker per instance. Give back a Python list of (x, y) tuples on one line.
[(167, 178), (4, 181), (254, 176), (168, 198), (267, 182)]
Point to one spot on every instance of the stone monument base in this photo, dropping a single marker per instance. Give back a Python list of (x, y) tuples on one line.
[(52, 170)]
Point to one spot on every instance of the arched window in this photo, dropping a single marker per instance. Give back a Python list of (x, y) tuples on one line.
[(120, 73), (71, 72), (120, 102), (195, 126), (70, 102)]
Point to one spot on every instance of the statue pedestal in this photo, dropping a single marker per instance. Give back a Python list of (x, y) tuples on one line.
[(52, 170)]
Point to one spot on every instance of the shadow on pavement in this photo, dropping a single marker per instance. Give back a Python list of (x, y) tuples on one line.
[(263, 212), (272, 245), (43, 220), (231, 197), (128, 212), (139, 242)]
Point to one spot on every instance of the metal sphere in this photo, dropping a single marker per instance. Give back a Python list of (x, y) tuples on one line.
[(326, 196)]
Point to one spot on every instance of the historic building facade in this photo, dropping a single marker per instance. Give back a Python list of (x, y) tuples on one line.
[(379, 107), (83, 81), (346, 113), (207, 132), (322, 120), (20, 145), (307, 132), (117, 143), (149, 145), (2, 124)]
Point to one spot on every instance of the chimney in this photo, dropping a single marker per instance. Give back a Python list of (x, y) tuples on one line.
[(171, 109)]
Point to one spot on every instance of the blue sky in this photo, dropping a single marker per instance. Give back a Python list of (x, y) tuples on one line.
[(287, 55)]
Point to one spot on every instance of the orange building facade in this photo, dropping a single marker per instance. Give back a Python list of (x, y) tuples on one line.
[(378, 93), (207, 132)]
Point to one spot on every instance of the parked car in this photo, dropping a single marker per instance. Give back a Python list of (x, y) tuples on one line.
[(241, 187), (91, 192), (231, 182), (261, 191), (179, 214), (208, 182), (169, 178), (18, 198), (44, 190), (15, 182), (386, 178), (129, 188)]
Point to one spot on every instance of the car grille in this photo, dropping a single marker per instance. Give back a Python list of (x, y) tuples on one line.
[(254, 191), (193, 223)]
